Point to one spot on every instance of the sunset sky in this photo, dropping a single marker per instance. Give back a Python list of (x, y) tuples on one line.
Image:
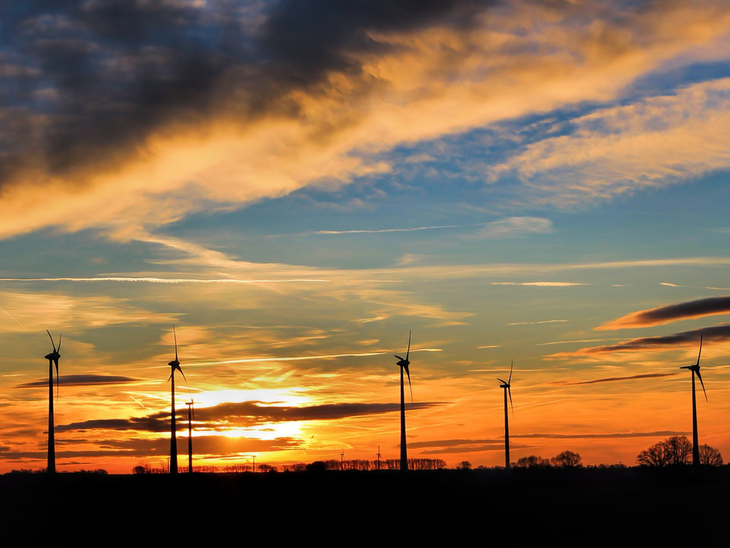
[(294, 185)]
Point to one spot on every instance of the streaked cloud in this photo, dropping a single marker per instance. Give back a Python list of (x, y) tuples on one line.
[(540, 284), (671, 313), (616, 379), (154, 126), (514, 227), (83, 380), (720, 333), (244, 414), (538, 322), (649, 143)]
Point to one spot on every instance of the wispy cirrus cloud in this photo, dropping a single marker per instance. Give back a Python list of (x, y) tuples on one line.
[(83, 380), (515, 227), (650, 143), (670, 313), (540, 284), (615, 379)]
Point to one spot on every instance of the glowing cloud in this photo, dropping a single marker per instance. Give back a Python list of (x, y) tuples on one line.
[(671, 313)]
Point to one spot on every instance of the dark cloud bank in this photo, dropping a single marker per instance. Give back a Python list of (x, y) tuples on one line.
[(88, 82)]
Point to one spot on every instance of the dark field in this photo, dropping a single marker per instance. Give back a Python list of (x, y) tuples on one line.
[(581, 507)]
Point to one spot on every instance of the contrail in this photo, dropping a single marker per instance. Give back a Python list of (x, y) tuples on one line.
[(14, 319), (386, 230), (166, 280)]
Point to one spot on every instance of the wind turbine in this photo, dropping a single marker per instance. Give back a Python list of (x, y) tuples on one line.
[(378, 465), (174, 365), (52, 358), (404, 363), (506, 387), (695, 441), (191, 414)]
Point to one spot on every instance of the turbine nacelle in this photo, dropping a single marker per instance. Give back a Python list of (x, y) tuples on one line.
[(405, 362), (507, 384)]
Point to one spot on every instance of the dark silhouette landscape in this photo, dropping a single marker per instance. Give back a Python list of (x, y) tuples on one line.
[(579, 506)]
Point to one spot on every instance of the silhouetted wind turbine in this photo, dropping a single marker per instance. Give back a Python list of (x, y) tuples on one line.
[(695, 440), (506, 386), (378, 465), (404, 363), (174, 365), (191, 413), (52, 358)]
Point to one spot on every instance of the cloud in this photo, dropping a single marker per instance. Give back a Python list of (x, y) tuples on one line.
[(540, 284), (243, 414), (719, 333), (616, 379), (136, 447), (537, 322), (653, 142), (514, 227), (83, 380), (132, 115), (671, 313)]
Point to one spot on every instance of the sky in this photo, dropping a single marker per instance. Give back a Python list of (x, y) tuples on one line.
[(297, 185)]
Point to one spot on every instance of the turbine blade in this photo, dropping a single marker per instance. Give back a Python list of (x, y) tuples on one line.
[(175, 336), (700, 352), (397, 356), (171, 374), (59, 344), (183, 374), (409, 381), (52, 343), (58, 378), (500, 380), (509, 392), (408, 352), (510, 371), (703, 384)]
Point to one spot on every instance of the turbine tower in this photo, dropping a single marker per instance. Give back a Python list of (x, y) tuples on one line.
[(506, 387), (52, 358), (404, 363), (695, 369), (191, 413), (174, 365)]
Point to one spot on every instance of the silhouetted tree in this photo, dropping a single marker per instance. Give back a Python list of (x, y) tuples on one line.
[(319, 466), (710, 456), (566, 459), (464, 465), (531, 461), (673, 451), (426, 464), (266, 468)]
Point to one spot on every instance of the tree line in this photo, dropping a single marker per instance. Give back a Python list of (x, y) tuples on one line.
[(673, 451)]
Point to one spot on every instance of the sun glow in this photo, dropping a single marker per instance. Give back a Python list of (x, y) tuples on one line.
[(287, 396)]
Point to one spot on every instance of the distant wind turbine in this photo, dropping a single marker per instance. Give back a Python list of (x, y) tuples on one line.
[(191, 413), (378, 465), (695, 369), (52, 358), (404, 363), (174, 365), (507, 388)]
